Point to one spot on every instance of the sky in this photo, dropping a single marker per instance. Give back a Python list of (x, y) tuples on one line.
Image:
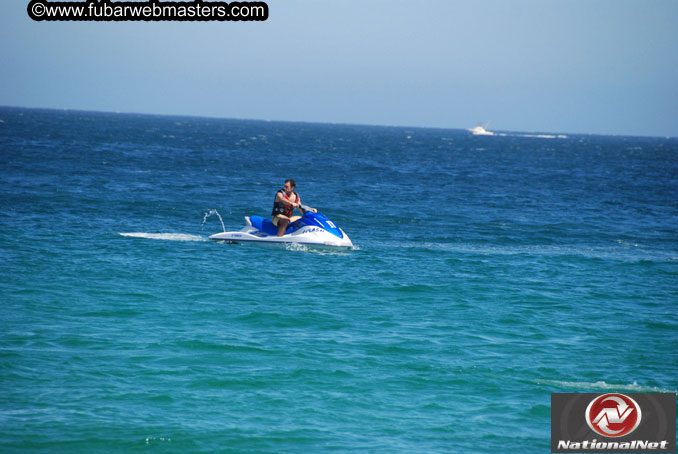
[(577, 66)]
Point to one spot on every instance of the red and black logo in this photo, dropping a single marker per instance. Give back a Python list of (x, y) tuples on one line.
[(613, 422)]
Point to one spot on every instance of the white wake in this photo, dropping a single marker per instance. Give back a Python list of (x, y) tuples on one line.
[(165, 236)]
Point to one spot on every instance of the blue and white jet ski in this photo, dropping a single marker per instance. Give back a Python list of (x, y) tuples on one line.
[(311, 229)]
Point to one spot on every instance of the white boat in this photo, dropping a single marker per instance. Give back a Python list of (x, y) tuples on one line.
[(480, 131), (311, 229)]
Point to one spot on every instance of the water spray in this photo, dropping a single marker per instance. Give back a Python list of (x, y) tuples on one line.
[(210, 213)]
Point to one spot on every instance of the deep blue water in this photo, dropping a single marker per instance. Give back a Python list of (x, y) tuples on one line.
[(488, 273)]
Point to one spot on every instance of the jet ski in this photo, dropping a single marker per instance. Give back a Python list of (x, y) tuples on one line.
[(310, 229)]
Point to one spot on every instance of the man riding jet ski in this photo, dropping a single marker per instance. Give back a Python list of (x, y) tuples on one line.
[(286, 200), (312, 228)]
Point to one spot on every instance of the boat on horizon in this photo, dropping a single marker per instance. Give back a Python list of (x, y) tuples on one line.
[(480, 131)]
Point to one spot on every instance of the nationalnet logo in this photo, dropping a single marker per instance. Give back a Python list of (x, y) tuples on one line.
[(613, 415), (613, 422)]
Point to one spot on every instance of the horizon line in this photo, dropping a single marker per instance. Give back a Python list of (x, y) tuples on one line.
[(329, 122)]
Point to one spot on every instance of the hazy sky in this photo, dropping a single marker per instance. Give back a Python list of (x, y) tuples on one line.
[(604, 66)]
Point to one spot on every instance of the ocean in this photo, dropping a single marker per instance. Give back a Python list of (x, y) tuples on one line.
[(487, 273)]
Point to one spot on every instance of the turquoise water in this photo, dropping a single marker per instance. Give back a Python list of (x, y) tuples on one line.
[(488, 273)]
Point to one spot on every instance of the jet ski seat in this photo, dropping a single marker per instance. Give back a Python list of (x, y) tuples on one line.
[(266, 225)]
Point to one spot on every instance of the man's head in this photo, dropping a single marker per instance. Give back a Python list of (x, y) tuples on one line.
[(289, 185)]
